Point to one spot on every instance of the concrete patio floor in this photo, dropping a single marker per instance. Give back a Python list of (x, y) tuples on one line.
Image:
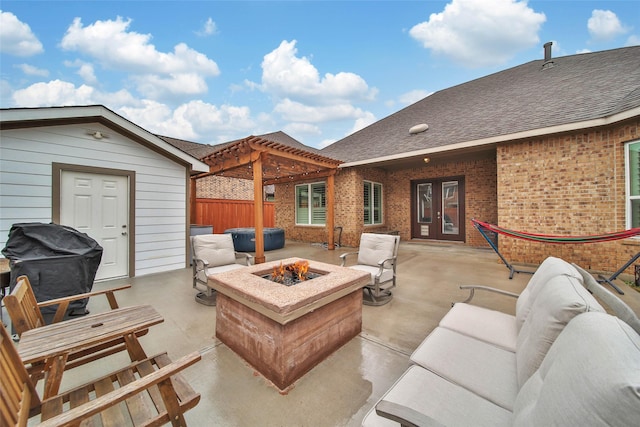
[(341, 389)]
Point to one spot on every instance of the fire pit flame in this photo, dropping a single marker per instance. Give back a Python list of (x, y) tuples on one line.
[(298, 272)]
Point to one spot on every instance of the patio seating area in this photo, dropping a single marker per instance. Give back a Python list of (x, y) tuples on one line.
[(340, 390)]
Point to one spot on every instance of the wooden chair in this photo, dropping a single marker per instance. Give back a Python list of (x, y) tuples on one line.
[(25, 315), (24, 309), (149, 392)]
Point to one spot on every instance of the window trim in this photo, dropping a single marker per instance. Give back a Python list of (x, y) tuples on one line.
[(372, 207), (627, 183), (310, 208)]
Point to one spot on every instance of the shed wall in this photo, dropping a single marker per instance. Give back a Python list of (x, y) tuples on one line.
[(26, 158)]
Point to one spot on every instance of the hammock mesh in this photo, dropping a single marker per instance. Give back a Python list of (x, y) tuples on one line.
[(557, 239)]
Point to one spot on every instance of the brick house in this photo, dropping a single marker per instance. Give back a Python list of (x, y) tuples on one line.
[(550, 146)]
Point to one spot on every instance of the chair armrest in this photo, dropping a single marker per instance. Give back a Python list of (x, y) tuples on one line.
[(383, 263), (472, 289), (63, 303), (344, 256), (247, 257), (88, 409), (404, 415)]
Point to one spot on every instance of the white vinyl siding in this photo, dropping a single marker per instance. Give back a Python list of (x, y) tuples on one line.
[(372, 203), (311, 203), (26, 158)]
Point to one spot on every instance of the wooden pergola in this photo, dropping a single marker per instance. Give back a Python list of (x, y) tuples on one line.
[(269, 162)]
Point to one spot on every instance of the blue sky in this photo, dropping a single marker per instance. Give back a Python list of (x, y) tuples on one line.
[(215, 71)]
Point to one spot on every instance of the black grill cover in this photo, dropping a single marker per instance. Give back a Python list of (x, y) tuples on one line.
[(58, 260)]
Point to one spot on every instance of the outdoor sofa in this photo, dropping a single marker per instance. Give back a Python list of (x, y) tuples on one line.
[(561, 360)]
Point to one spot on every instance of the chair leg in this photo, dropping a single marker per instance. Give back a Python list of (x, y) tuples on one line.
[(206, 297), (373, 298)]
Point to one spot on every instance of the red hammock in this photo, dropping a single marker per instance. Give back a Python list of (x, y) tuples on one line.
[(557, 239)]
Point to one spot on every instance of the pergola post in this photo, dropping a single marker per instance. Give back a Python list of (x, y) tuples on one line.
[(330, 211), (258, 203)]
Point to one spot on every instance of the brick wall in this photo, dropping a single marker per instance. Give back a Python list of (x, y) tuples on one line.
[(480, 193), (220, 187), (570, 184), (480, 182)]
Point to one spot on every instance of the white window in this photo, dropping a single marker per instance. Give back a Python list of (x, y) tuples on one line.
[(372, 203), (311, 204), (633, 184)]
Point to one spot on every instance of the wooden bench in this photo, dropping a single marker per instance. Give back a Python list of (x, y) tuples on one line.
[(147, 392)]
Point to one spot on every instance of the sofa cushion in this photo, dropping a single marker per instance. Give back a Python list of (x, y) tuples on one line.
[(216, 249), (558, 301), (550, 267), (590, 376), (490, 326), (448, 403), (482, 368)]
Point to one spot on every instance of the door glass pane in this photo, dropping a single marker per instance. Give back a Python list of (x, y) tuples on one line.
[(450, 209), (425, 203)]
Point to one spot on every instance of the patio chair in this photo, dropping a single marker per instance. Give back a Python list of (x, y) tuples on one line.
[(377, 255), (212, 254), (24, 309), (149, 391)]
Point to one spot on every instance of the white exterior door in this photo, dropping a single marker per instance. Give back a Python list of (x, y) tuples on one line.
[(97, 205)]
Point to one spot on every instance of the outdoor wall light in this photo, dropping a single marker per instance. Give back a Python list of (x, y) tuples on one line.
[(426, 160)]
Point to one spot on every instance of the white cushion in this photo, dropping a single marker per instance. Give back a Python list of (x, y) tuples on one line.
[(590, 377), (387, 273), (490, 326), (550, 267), (375, 248), (216, 249), (558, 301), (448, 403), (482, 368)]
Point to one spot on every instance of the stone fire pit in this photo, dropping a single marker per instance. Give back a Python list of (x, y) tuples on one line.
[(284, 331)]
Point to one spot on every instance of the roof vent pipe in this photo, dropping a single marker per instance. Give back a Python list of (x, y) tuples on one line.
[(547, 51)]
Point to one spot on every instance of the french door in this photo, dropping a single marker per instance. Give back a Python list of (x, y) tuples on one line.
[(438, 209)]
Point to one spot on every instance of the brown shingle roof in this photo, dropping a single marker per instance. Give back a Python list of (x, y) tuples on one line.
[(200, 151), (576, 88)]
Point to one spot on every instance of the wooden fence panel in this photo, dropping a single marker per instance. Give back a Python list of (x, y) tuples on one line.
[(224, 214)]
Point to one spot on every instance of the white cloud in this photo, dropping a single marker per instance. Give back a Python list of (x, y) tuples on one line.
[(633, 40), (86, 72), (298, 112), (16, 37), (362, 122), (604, 25), (53, 93), (111, 44), (302, 128), (288, 76), (155, 87), (208, 28), (195, 120), (475, 34), (413, 96), (30, 70)]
